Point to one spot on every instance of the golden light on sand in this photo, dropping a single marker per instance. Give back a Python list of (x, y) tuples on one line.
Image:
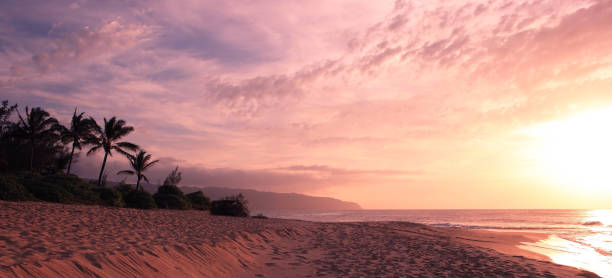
[(575, 151)]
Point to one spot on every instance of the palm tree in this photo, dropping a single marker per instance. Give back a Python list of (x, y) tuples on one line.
[(5, 125), (107, 139), (5, 114), (37, 127), (80, 130), (139, 164)]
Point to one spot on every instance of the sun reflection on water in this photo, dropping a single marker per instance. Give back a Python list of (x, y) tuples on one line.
[(565, 252), (602, 216), (589, 248)]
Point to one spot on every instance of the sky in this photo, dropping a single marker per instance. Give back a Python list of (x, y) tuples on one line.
[(391, 104)]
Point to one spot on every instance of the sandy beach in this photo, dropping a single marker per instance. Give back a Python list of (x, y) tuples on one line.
[(54, 240)]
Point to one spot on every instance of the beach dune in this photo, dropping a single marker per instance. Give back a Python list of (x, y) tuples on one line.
[(55, 240)]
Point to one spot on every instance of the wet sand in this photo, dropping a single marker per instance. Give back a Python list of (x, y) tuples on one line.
[(54, 240)]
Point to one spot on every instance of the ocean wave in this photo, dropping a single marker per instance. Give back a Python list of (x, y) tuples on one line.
[(592, 223), (492, 227)]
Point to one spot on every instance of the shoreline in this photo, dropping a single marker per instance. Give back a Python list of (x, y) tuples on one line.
[(504, 241), (54, 240)]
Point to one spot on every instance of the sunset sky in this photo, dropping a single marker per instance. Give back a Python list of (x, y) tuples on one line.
[(391, 104)]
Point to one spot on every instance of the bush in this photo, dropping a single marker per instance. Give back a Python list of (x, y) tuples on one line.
[(60, 178), (63, 188), (42, 190), (124, 188), (11, 190), (48, 192), (168, 201), (171, 197), (198, 200), (169, 189), (81, 192), (230, 206), (139, 199), (110, 197)]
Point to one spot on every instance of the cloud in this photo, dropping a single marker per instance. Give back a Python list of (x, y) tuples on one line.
[(297, 178), (331, 171), (535, 55), (246, 97), (338, 140), (84, 44)]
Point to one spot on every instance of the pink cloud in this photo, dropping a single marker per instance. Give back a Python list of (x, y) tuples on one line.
[(85, 43)]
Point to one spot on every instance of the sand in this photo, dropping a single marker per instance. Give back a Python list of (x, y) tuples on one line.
[(54, 240)]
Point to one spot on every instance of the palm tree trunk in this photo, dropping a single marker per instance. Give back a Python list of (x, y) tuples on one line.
[(138, 182), (31, 155), (70, 161), (102, 169)]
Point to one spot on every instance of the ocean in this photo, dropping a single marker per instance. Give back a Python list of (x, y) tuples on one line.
[(578, 238)]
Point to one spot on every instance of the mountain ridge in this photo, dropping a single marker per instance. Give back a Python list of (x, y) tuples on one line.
[(265, 200)]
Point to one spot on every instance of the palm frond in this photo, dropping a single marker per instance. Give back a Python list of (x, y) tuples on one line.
[(123, 131), (130, 157), (120, 150), (77, 144), (94, 149), (52, 122), (125, 172), (150, 164), (21, 120), (95, 127), (128, 145)]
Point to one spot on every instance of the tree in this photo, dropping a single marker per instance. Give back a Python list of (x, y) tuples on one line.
[(174, 178), (230, 206), (107, 138), (169, 195), (62, 162), (80, 130), (139, 163), (37, 127), (5, 113), (198, 200), (5, 126)]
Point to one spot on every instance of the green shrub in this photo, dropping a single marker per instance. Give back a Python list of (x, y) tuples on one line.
[(11, 190), (198, 200), (110, 197), (124, 188), (169, 189), (60, 178), (47, 191), (230, 206), (139, 199), (168, 201), (81, 191), (42, 190), (58, 188), (171, 197)]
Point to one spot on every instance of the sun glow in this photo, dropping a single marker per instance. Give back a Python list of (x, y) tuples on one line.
[(576, 151)]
